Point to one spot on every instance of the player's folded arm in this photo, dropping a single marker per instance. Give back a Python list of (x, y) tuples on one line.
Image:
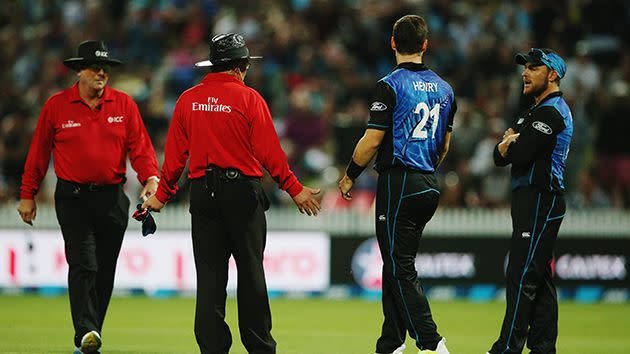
[(545, 124)]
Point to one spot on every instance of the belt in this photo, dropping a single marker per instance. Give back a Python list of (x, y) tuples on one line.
[(216, 177), (88, 187), (229, 173)]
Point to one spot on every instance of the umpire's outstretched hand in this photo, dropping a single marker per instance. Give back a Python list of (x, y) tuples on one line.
[(306, 202)]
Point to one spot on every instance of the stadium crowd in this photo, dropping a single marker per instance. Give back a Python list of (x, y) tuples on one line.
[(322, 59)]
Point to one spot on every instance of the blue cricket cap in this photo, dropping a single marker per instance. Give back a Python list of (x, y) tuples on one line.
[(543, 56)]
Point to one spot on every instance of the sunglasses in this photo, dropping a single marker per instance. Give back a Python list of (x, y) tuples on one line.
[(552, 60), (538, 54), (98, 67)]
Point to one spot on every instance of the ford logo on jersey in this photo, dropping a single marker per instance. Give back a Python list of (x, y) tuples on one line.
[(378, 106), (542, 127)]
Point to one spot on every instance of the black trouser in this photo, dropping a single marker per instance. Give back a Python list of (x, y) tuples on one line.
[(93, 222), (532, 307), (405, 202), (228, 218)]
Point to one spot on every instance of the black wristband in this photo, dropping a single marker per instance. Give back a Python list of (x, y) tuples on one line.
[(353, 170)]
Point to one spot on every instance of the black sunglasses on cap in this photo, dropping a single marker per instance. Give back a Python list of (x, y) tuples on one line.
[(538, 54), (96, 67)]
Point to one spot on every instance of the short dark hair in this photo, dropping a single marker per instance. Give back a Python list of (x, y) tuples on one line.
[(241, 64), (409, 34)]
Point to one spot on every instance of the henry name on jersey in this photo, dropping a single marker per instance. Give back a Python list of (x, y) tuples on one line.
[(212, 106), (425, 86)]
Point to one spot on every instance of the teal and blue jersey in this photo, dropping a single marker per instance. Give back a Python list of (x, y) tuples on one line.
[(415, 108), (539, 155)]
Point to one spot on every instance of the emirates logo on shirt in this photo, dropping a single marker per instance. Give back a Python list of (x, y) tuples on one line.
[(70, 124), (212, 106)]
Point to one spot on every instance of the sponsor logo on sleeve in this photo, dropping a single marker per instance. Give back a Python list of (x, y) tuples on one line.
[(378, 106), (542, 127)]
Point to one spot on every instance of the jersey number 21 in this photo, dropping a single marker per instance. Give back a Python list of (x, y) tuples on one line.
[(419, 132)]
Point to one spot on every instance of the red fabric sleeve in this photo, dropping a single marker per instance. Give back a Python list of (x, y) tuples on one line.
[(267, 150), (175, 155), (39, 154), (141, 152)]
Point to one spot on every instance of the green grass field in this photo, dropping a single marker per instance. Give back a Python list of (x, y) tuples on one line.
[(31, 324)]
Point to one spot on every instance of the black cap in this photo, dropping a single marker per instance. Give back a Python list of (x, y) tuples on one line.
[(91, 52), (543, 56), (227, 47), (533, 57)]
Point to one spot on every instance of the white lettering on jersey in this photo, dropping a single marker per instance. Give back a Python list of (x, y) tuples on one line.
[(212, 106), (116, 119), (70, 124), (425, 86)]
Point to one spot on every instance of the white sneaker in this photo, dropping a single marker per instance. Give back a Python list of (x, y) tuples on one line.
[(91, 342), (441, 348), (398, 350)]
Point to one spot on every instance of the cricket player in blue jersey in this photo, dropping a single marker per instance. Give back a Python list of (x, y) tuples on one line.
[(411, 118), (537, 147)]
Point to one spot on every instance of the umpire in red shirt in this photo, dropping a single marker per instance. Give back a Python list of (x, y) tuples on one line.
[(224, 127), (90, 129)]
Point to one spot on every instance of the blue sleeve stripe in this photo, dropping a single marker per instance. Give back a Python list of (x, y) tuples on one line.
[(424, 191), (378, 125), (557, 217)]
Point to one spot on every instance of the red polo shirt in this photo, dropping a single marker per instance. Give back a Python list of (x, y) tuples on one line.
[(223, 122), (88, 146)]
